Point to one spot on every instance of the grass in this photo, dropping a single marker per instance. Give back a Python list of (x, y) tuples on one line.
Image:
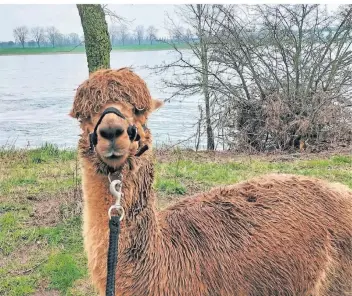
[(81, 49), (62, 271), (41, 247)]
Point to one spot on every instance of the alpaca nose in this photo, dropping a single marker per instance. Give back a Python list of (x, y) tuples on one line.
[(110, 133)]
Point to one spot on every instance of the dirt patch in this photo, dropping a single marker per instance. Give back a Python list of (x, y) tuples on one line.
[(225, 156), (27, 253), (198, 156), (46, 293), (84, 287), (51, 209), (43, 290), (26, 259)]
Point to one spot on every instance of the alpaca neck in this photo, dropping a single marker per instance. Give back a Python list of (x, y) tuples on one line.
[(138, 233)]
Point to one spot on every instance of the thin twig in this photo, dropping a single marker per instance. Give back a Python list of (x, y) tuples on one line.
[(21, 272)]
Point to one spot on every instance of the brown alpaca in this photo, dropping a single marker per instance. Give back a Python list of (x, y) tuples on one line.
[(272, 235)]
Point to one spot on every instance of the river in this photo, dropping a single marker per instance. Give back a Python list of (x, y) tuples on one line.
[(36, 94)]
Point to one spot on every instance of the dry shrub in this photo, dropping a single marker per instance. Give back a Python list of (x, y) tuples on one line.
[(280, 123)]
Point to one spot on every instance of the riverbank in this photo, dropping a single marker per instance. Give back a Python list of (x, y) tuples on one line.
[(81, 49), (41, 248)]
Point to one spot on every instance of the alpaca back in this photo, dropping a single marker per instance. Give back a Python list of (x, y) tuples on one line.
[(273, 235)]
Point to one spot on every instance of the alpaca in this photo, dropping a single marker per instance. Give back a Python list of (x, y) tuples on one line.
[(277, 234)]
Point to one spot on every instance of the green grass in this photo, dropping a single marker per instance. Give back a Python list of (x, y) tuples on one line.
[(40, 50), (81, 49), (62, 270), (45, 169), (41, 246), (17, 285)]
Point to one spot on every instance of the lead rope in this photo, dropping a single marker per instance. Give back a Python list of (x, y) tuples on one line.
[(114, 226)]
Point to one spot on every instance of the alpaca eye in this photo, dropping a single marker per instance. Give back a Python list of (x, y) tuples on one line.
[(138, 111)]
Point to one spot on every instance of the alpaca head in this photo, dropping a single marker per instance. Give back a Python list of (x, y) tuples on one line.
[(128, 94)]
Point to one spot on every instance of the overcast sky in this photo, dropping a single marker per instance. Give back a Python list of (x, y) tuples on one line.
[(65, 17)]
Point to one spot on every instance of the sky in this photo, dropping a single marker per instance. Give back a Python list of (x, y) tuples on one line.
[(66, 19), (65, 16)]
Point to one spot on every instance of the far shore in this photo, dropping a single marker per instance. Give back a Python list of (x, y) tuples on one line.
[(81, 49)]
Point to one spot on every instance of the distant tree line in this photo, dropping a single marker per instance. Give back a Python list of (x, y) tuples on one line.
[(120, 35), (124, 35), (41, 37)]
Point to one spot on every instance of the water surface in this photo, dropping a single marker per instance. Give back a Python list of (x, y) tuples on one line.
[(36, 94)]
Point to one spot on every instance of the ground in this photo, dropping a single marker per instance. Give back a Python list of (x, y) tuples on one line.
[(41, 248)]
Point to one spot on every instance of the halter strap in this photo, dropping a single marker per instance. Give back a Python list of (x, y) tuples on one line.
[(131, 130)]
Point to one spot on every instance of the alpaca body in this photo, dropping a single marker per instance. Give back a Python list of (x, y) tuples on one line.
[(274, 235)]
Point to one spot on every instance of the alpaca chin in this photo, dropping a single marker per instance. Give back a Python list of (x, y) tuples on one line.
[(114, 164)]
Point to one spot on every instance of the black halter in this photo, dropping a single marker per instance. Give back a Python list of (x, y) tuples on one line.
[(131, 130)]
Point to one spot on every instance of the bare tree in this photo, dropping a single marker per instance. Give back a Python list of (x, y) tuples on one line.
[(270, 75), (291, 59), (139, 31), (122, 32), (114, 17), (38, 35), (21, 34), (190, 71), (52, 35), (114, 34), (61, 40), (178, 33), (74, 39), (151, 33)]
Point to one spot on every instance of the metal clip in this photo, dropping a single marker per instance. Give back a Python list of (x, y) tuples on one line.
[(116, 190), (119, 209)]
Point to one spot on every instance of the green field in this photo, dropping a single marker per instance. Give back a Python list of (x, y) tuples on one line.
[(41, 248), (81, 49)]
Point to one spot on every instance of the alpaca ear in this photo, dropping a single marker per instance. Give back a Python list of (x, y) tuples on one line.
[(72, 114), (156, 104)]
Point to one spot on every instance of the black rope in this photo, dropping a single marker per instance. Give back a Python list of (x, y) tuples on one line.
[(114, 225)]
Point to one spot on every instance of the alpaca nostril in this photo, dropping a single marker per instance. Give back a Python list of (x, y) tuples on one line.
[(111, 133)]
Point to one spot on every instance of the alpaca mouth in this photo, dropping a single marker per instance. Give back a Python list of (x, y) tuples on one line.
[(113, 155)]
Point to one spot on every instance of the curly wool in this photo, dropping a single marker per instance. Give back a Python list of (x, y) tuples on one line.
[(107, 85)]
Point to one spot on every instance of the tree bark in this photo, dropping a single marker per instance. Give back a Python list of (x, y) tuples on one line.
[(205, 82), (96, 36)]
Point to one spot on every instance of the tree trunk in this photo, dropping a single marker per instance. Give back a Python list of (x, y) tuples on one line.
[(205, 85), (96, 36)]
